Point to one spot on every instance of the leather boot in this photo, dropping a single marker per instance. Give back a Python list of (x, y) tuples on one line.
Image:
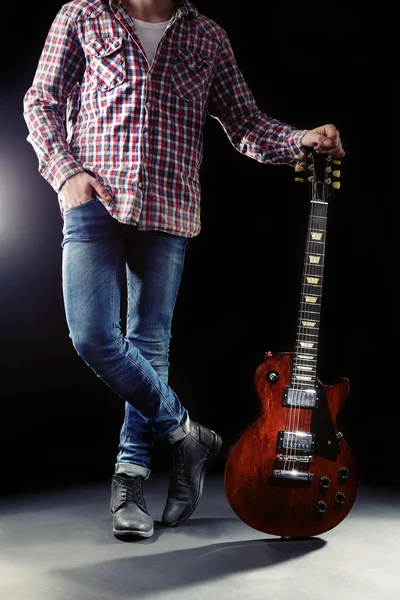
[(191, 458), (128, 508)]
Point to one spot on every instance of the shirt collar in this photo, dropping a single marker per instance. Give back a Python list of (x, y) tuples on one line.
[(184, 8)]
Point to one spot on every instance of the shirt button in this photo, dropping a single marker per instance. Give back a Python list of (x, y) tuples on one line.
[(148, 104), (140, 184)]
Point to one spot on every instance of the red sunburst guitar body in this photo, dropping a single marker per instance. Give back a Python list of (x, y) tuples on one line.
[(292, 474)]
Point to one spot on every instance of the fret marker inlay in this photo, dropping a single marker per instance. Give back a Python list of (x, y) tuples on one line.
[(304, 377), (313, 280), (311, 299), (309, 323), (314, 260), (307, 344), (316, 236)]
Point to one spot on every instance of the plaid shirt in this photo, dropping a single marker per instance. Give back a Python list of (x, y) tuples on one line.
[(96, 105)]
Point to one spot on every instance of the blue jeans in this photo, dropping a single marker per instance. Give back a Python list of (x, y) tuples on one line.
[(100, 257)]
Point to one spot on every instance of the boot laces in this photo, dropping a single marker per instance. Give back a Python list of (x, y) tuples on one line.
[(180, 465), (132, 491)]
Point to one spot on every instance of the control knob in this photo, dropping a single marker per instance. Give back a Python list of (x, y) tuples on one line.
[(344, 473), (325, 482), (340, 498), (321, 506)]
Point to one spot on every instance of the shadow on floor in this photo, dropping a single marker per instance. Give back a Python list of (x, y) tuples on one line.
[(144, 575)]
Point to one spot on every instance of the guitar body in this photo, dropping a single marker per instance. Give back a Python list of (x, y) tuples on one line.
[(286, 507)]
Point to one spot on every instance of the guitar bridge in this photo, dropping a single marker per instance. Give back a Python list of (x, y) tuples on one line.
[(293, 475), (285, 458)]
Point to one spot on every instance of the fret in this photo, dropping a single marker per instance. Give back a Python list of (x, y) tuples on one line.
[(313, 284), (307, 335), (316, 321), (311, 347), (314, 265)]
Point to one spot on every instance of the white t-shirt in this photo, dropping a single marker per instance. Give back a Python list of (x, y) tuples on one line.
[(149, 35)]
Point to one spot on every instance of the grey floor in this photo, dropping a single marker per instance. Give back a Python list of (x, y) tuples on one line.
[(59, 546)]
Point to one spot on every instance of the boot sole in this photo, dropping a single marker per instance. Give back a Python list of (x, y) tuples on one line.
[(208, 463), (128, 533)]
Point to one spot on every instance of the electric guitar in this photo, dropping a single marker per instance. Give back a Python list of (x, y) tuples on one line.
[(291, 473)]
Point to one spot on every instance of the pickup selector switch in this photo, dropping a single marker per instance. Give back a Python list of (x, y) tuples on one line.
[(272, 377)]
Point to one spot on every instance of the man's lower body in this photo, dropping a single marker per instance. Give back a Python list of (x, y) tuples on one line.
[(100, 257)]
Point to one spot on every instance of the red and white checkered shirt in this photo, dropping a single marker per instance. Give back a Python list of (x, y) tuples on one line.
[(96, 105)]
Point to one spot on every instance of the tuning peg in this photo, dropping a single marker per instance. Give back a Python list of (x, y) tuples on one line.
[(299, 168), (337, 162), (299, 179), (336, 185), (336, 174)]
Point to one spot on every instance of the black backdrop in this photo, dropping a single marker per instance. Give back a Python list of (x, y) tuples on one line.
[(307, 65)]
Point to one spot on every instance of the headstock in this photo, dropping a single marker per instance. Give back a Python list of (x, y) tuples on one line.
[(321, 174)]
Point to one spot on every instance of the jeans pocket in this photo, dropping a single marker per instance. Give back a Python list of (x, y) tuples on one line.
[(106, 62), (191, 74), (78, 206)]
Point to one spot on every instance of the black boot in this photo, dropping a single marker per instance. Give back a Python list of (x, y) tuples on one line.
[(191, 458), (128, 508)]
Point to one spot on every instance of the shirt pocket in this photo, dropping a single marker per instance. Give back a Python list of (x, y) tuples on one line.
[(191, 74), (106, 62)]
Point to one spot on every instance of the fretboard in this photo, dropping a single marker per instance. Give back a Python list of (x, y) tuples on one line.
[(304, 371)]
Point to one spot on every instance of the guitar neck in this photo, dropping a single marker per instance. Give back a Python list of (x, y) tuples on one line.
[(304, 372)]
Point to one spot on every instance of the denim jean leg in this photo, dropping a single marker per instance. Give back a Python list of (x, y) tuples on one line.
[(154, 265), (93, 276)]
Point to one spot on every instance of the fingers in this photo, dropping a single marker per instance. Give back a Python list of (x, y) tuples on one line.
[(328, 141), (100, 189)]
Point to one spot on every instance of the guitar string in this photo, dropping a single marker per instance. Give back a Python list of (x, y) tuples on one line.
[(291, 452), (317, 211), (295, 407), (296, 386), (304, 317), (312, 249)]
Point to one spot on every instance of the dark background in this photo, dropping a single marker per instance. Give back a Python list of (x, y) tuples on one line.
[(307, 64)]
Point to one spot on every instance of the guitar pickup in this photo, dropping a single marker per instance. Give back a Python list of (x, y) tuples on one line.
[(300, 398), (296, 440)]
